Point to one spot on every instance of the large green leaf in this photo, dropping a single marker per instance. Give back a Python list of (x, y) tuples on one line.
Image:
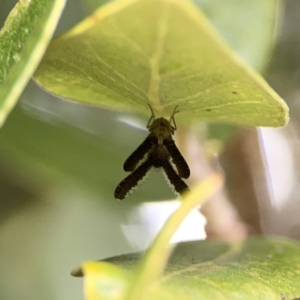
[(169, 55), (258, 268), (23, 40), (247, 26)]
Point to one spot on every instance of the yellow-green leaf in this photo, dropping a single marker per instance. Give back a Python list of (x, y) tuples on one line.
[(103, 281), (23, 40), (166, 53)]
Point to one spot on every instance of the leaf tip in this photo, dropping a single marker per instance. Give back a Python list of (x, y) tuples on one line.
[(77, 272)]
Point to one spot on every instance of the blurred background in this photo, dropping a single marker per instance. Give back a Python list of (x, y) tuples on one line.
[(60, 163)]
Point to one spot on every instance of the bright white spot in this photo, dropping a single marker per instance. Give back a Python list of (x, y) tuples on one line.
[(279, 163), (16, 57), (133, 122), (147, 220)]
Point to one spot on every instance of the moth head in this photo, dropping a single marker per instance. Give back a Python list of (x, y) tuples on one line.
[(161, 129)]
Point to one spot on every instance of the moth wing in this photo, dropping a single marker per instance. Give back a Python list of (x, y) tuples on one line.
[(174, 179), (138, 155), (132, 181), (177, 159)]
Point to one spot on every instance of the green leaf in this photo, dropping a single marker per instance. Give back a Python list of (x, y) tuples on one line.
[(169, 55), (248, 27), (259, 268), (104, 281), (23, 40)]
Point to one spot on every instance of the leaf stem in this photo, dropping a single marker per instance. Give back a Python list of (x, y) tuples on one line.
[(157, 256)]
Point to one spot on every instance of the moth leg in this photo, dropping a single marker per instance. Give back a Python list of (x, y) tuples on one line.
[(132, 181), (172, 117)]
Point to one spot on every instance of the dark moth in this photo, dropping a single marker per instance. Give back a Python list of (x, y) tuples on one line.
[(158, 150)]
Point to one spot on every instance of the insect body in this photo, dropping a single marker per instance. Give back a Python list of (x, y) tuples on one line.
[(159, 151)]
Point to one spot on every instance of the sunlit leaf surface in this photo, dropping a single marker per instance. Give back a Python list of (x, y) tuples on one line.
[(169, 55), (23, 40)]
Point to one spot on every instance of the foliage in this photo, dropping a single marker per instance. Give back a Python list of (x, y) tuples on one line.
[(259, 268), (23, 40), (169, 55)]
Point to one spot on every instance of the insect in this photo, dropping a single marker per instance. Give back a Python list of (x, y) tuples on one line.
[(158, 150)]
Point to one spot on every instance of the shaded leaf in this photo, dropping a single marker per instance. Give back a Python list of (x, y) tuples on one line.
[(167, 56), (259, 268), (23, 40)]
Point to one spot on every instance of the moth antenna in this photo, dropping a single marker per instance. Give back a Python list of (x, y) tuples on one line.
[(175, 111), (152, 115)]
